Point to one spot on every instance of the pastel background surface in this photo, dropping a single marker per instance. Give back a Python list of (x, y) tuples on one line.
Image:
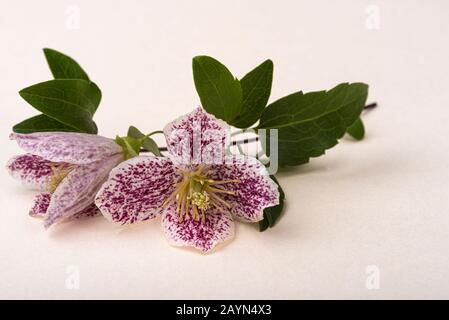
[(381, 202)]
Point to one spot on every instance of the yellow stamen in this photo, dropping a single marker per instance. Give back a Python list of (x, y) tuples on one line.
[(215, 182), (60, 171), (217, 190), (199, 169), (183, 203), (195, 194), (203, 217), (186, 215), (215, 197), (175, 194), (195, 212)]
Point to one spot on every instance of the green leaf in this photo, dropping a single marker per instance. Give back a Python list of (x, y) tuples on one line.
[(151, 146), (41, 123), (147, 143), (64, 67), (130, 146), (308, 124), (72, 102), (272, 214), (220, 93), (357, 129), (256, 89), (134, 132)]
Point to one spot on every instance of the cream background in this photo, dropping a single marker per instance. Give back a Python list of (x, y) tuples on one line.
[(380, 202)]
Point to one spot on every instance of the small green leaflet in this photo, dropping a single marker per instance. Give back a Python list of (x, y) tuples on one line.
[(256, 89), (72, 102), (272, 214), (239, 103), (130, 146), (308, 124), (64, 67), (135, 133), (146, 142), (41, 123), (357, 130), (220, 92), (67, 103), (134, 141)]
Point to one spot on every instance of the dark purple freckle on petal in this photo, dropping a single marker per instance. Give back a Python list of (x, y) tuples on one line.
[(32, 170), (136, 190), (253, 193), (197, 137), (40, 206), (217, 227)]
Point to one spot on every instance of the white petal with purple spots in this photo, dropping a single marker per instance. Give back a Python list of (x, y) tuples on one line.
[(77, 191), (217, 228), (34, 171), (136, 189), (88, 212), (42, 201), (197, 137), (40, 206), (255, 190), (70, 147)]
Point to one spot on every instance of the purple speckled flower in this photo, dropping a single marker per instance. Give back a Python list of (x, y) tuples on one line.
[(197, 190), (69, 167)]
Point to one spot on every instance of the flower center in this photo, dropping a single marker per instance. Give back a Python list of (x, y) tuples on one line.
[(60, 171), (201, 200), (196, 193)]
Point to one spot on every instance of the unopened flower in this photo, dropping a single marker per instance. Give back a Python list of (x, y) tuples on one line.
[(68, 167), (197, 190)]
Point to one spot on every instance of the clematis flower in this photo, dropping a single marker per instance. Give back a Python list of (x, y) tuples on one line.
[(197, 190), (68, 167)]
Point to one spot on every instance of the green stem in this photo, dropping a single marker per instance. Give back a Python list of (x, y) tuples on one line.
[(154, 132)]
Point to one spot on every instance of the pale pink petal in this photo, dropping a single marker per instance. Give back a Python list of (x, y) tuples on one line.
[(88, 212), (42, 201), (70, 147), (77, 191), (217, 227), (136, 190), (255, 190), (197, 137), (34, 171)]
